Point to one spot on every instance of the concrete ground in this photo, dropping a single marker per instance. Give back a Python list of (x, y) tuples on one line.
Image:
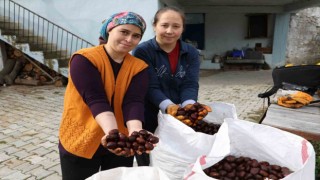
[(30, 117), (240, 88)]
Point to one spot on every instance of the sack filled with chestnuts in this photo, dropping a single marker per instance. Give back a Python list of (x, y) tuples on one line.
[(137, 143), (181, 144), (247, 150)]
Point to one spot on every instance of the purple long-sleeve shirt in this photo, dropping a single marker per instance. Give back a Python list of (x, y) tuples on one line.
[(87, 81)]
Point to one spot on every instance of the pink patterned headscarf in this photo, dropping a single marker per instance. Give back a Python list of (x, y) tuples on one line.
[(120, 19)]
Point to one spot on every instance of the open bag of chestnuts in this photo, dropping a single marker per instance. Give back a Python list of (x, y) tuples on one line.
[(181, 144), (246, 150)]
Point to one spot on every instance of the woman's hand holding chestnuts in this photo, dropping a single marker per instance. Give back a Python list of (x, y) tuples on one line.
[(137, 143)]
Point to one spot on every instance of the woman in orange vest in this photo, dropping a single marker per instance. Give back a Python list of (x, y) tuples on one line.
[(105, 91)]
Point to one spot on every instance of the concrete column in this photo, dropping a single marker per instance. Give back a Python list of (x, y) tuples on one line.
[(279, 49)]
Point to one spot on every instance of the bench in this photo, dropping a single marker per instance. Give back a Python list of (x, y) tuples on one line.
[(304, 121), (253, 58)]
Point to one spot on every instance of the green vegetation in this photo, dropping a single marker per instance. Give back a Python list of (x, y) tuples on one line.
[(316, 146)]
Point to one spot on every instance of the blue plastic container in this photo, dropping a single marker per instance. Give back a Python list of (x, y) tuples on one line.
[(237, 54)]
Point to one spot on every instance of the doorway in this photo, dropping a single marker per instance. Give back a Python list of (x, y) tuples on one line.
[(194, 30)]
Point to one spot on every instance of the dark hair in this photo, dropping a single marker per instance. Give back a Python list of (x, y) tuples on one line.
[(167, 8)]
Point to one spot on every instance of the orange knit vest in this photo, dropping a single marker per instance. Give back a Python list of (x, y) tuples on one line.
[(79, 132)]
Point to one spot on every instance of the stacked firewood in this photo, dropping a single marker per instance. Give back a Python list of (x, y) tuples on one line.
[(34, 73), (20, 69), (12, 65)]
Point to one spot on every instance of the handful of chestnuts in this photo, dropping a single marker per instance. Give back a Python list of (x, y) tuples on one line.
[(137, 142), (191, 114)]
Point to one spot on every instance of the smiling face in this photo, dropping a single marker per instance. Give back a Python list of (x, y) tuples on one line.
[(123, 38), (168, 27)]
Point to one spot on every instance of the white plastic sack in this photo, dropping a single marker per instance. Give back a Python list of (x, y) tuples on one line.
[(179, 145), (261, 142), (132, 173), (220, 111)]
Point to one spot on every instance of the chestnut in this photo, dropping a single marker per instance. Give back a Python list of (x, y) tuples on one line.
[(111, 145)]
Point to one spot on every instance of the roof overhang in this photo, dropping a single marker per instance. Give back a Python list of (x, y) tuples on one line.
[(235, 6)]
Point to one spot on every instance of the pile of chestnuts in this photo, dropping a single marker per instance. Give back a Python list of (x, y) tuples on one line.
[(206, 127), (191, 114), (241, 168), (137, 142)]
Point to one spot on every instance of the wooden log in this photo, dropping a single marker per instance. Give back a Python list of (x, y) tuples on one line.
[(28, 77), (43, 79), (27, 82), (61, 81), (17, 53), (8, 66), (58, 83), (28, 67), (37, 70), (9, 78)]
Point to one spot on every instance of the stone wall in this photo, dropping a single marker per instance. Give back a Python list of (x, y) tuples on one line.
[(304, 37)]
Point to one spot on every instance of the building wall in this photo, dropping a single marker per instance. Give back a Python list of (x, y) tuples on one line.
[(223, 31), (303, 45), (84, 18), (227, 31)]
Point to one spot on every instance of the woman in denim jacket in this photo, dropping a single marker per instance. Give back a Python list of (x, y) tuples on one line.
[(173, 68)]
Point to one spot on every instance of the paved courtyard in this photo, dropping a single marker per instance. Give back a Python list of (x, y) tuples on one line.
[(30, 117)]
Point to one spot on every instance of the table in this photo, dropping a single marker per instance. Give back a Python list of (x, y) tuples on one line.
[(303, 121)]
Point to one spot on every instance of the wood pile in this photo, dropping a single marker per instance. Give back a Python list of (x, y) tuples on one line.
[(19, 69)]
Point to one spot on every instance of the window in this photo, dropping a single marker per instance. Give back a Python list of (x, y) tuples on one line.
[(194, 30), (257, 26)]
